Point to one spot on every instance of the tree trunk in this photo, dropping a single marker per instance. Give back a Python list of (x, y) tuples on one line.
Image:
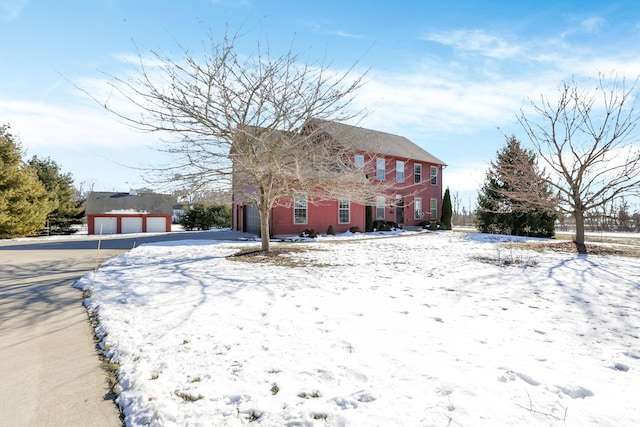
[(264, 229), (578, 215)]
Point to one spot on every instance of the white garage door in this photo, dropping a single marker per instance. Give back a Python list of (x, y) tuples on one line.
[(156, 225), (131, 224), (105, 225)]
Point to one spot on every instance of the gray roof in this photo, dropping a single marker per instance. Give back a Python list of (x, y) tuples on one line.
[(107, 202), (372, 141)]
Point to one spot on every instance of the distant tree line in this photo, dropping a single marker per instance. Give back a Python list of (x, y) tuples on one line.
[(35, 195)]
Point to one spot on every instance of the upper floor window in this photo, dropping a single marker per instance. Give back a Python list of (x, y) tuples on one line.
[(300, 209), (399, 171), (434, 175), (358, 160), (380, 172), (344, 211), (417, 173)]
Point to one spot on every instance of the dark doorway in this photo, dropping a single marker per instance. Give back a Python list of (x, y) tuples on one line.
[(251, 220), (399, 209)]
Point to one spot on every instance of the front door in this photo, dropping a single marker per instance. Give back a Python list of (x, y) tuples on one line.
[(399, 209)]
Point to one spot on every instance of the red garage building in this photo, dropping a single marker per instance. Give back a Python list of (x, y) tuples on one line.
[(122, 213)]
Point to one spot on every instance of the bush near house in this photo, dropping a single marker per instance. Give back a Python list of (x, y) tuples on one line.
[(201, 216), (381, 225)]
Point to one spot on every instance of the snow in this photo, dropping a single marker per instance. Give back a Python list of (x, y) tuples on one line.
[(127, 212), (422, 329)]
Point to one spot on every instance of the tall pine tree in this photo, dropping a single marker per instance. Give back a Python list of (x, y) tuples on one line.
[(447, 211), (59, 186), (24, 203), (515, 199)]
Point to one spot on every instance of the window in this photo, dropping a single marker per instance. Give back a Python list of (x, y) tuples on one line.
[(434, 175), (300, 209), (434, 208), (417, 208), (380, 205), (417, 173), (344, 211), (380, 169), (399, 171), (358, 160)]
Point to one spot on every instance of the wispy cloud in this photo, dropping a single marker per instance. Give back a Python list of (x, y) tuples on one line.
[(476, 42), (341, 33), (592, 24), (10, 9)]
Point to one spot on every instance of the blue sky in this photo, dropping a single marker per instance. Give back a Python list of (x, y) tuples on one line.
[(450, 76)]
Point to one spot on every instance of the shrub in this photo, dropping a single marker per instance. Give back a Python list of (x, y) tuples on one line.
[(309, 233), (434, 225), (380, 225), (355, 229), (202, 216), (331, 231)]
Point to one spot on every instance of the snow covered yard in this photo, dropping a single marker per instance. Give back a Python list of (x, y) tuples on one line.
[(419, 330)]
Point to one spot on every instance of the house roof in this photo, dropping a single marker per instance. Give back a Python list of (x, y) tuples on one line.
[(129, 203), (373, 141)]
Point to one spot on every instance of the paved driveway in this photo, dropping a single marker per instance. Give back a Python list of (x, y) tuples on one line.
[(50, 371)]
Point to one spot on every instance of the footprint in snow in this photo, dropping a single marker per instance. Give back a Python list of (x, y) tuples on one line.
[(527, 379), (576, 392), (620, 367)]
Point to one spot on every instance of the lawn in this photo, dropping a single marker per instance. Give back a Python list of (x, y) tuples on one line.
[(422, 329)]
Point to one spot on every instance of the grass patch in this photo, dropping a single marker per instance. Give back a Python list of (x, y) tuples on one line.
[(611, 248), (313, 395), (187, 397), (278, 256), (274, 389)]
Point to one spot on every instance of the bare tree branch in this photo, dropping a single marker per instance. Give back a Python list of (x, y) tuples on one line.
[(591, 148), (253, 120)]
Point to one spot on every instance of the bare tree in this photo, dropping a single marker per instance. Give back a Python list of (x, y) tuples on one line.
[(590, 147), (252, 116)]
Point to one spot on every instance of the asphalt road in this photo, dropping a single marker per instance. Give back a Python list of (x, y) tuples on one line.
[(50, 373)]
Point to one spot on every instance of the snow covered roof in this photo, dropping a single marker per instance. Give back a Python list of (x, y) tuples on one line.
[(99, 202)]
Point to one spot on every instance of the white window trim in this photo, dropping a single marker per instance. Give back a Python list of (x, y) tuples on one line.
[(382, 206), (399, 171), (381, 161), (433, 209), (348, 209), (306, 208), (358, 160), (417, 208), (415, 175), (433, 176)]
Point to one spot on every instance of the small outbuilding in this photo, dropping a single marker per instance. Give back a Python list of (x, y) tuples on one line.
[(132, 212)]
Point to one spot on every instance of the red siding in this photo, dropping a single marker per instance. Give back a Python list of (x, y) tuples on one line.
[(319, 216), (91, 222), (322, 214)]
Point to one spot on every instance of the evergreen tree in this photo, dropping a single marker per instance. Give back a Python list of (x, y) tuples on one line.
[(24, 204), (447, 211), (515, 198), (201, 216), (67, 211)]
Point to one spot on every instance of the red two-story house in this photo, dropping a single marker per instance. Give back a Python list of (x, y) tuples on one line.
[(413, 190)]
